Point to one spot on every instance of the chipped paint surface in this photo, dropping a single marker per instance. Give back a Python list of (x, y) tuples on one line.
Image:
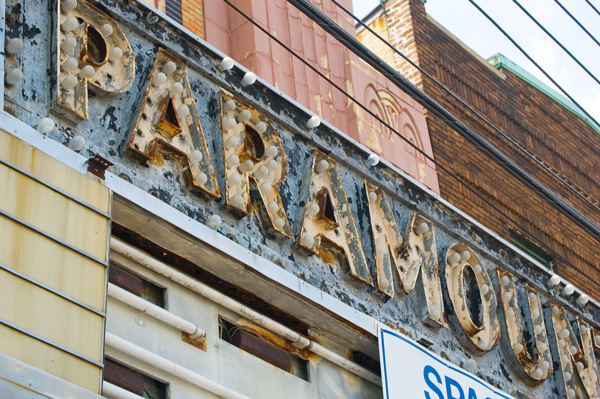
[(107, 131)]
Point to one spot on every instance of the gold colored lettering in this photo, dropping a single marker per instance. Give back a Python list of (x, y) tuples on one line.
[(253, 150), (472, 296), (92, 52), (168, 123), (416, 253), (327, 216), (532, 367)]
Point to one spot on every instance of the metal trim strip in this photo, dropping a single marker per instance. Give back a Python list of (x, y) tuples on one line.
[(51, 343), (52, 290), (54, 188), (53, 238)]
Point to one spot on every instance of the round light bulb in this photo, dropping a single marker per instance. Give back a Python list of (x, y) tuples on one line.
[(46, 125), (68, 5), (517, 347), (87, 72), (14, 76), (307, 240), (537, 374), (266, 187), (244, 116), (69, 82), (237, 201), (583, 299), (106, 30), (115, 54), (226, 64), (234, 180), (176, 89), (246, 166), (506, 296), (229, 123), (183, 111), (272, 207), (535, 314), (373, 160), (477, 268), (213, 221), (229, 106), (196, 156), (421, 228), (248, 79), (261, 127), (504, 280), (454, 258), (14, 45), (278, 223), (569, 289), (312, 210), (554, 280), (201, 178), (169, 67), (465, 256), (69, 24), (384, 284), (233, 161), (321, 166), (271, 151), (159, 79), (313, 122), (70, 64), (261, 173), (372, 196), (77, 143), (231, 142), (484, 289), (68, 44), (272, 165)]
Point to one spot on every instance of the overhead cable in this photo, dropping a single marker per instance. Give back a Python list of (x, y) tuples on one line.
[(533, 62), (462, 102), (387, 125), (551, 36), (577, 21), (591, 5), (436, 109)]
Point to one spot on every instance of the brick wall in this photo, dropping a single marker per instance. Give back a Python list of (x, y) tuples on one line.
[(192, 15), (561, 140)]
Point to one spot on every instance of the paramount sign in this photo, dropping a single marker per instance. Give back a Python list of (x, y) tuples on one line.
[(302, 200)]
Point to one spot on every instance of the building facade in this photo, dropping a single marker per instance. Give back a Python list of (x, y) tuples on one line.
[(206, 218)]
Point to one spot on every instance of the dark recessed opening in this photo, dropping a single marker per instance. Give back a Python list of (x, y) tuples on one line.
[(254, 146), (326, 208), (473, 297), (253, 343), (366, 361), (136, 285), (96, 50), (133, 381)]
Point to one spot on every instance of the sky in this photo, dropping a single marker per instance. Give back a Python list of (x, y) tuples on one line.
[(462, 19)]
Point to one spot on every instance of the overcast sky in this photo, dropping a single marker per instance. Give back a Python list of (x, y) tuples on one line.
[(465, 21)]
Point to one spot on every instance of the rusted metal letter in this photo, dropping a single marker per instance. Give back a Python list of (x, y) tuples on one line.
[(416, 253), (533, 367), (252, 150), (573, 357), (471, 294), (91, 50), (327, 215), (168, 123)]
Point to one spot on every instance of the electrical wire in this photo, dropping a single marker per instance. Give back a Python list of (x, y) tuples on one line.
[(533, 61), (356, 47), (591, 5), (462, 102), (577, 21), (427, 156), (551, 36)]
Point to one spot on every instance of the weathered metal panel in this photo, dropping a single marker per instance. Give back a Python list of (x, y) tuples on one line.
[(49, 359)]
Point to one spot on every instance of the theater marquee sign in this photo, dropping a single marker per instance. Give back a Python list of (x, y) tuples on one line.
[(237, 156)]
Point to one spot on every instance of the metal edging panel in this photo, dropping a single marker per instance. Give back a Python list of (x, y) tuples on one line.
[(54, 188), (52, 290), (53, 238), (51, 343)]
